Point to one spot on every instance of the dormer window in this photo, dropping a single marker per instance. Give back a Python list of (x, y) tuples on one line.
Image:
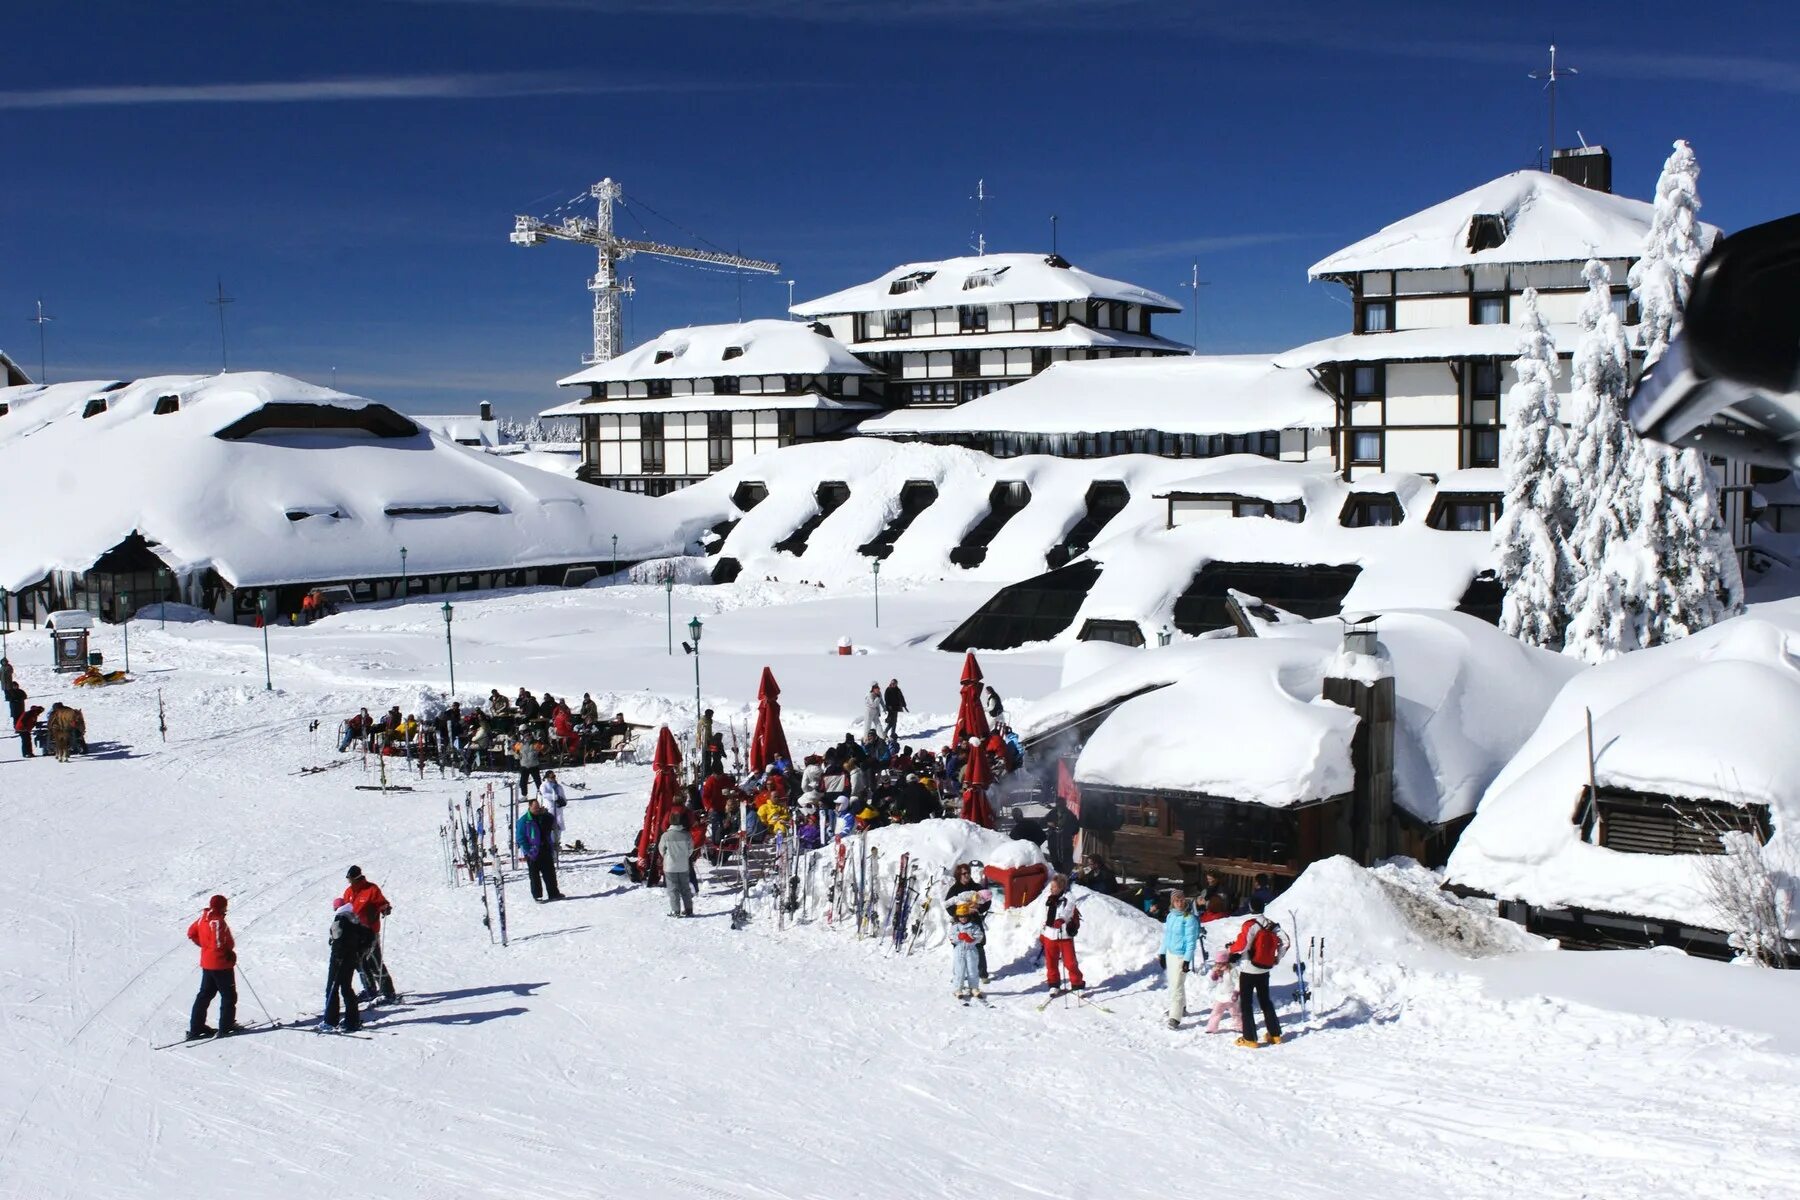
[(1487, 231), (733, 352), (1056, 260), (910, 283), (984, 278), (663, 356), (94, 408), (166, 405)]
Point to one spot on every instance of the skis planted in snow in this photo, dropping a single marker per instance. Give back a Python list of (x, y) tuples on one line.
[(903, 887), (500, 897)]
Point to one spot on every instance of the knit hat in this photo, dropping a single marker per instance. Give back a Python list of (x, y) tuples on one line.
[(343, 906), (353, 873), (216, 904)]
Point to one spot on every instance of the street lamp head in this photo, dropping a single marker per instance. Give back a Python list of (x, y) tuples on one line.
[(694, 629), (447, 611), (875, 565)]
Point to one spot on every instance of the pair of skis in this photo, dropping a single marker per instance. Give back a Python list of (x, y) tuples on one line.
[(1313, 962), (903, 889)]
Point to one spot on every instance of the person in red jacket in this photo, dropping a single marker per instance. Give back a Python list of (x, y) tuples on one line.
[(218, 976), (24, 725), (366, 900)]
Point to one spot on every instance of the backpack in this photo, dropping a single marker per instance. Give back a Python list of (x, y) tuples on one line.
[(1267, 945)]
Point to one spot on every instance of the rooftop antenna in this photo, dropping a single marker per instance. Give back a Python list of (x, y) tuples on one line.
[(1550, 76), (219, 303), (980, 198), (790, 287), (597, 231), (42, 319), (1053, 234), (1195, 283)]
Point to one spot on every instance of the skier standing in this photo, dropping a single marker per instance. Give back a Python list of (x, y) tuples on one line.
[(677, 849), (370, 906), (964, 884), (1181, 933), (552, 793), (966, 938), (536, 835), (894, 700), (218, 971), (873, 708), (350, 942), (1259, 946), (1062, 921)]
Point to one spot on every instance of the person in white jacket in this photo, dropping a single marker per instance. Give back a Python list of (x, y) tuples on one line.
[(552, 794), (1062, 921), (1222, 988), (872, 709)]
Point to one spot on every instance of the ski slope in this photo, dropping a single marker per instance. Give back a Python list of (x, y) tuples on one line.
[(610, 1051)]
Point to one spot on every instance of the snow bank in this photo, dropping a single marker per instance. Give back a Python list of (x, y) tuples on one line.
[(1709, 717), (291, 502)]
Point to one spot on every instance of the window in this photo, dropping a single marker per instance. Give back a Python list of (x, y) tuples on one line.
[(1377, 316), (791, 384), (1464, 514), (974, 389), (166, 405), (718, 441), (1365, 447), (650, 427), (1488, 310), (910, 283), (1292, 510), (1047, 316), (972, 318), (726, 385), (663, 356), (1621, 307), (1366, 381), (1646, 823), (1484, 379), (942, 392), (657, 389), (1371, 510), (897, 322), (965, 362), (1486, 231), (1484, 448), (94, 408), (732, 352)]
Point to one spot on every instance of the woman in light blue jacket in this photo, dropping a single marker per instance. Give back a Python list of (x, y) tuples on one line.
[(1181, 934)]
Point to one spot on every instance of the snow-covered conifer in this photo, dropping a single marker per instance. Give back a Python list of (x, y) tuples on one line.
[(1537, 519), (1676, 243)]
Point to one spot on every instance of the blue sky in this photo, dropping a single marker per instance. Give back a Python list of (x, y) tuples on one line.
[(350, 171)]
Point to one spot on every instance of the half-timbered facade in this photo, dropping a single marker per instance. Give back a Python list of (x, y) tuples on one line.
[(945, 333), (693, 401)]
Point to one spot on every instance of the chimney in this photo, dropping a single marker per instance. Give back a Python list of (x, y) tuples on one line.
[(1589, 166), (486, 411), (1361, 679)]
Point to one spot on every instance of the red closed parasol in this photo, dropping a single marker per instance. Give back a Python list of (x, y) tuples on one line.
[(663, 790), (769, 741), (971, 718), (975, 806)]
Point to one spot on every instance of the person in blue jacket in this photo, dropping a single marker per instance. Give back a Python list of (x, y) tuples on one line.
[(1181, 934), (536, 835)]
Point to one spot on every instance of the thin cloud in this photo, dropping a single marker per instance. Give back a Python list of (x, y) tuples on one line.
[(1219, 244), (310, 91)]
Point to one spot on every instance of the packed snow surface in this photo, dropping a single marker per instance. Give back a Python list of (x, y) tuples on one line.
[(1708, 717), (287, 504), (609, 1050)]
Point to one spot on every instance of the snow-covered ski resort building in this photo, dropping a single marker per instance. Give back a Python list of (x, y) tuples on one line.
[(219, 491)]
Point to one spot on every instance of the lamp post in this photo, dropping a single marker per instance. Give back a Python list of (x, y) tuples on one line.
[(5, 619), (403, 572), (125, 603), (694, 631), (669, 605), (267, 607), (162, 607), (875, 568), (615, 538), (450, 649)]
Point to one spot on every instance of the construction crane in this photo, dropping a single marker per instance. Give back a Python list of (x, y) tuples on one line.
[(597, 231)]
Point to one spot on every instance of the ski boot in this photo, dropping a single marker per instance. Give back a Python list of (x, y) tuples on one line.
[(1274, 1040), (205, 1031), (1174, 1024), (1250, 1043)]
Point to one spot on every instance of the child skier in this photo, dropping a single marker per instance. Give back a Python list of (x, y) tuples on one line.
[(1222, 988), (350, 942), (966, 938)]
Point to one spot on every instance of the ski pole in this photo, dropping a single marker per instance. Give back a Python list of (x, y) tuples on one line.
[(254, 996)]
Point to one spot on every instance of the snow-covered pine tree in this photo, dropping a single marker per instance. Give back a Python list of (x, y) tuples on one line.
[(1537, 519), (1693, 566), (1612, 583)]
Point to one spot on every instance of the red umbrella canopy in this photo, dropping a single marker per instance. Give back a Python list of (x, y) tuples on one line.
[(976, 808), (768, 741), (971, 718), (666, 762), (980, 772)]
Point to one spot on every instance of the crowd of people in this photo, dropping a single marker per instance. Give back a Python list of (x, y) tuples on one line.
[(527, 734)]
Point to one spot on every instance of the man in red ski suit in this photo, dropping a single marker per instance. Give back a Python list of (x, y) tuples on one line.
[(218, 975)]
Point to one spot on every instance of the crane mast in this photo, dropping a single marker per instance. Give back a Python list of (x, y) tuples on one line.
[(597, 231)]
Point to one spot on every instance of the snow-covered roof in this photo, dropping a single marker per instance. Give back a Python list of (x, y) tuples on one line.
[(1228, 394), (269, 480), (1252, 725), (1422, 345), (1073, 335), (988, 279), (461, 428), (1709, 717), (11, 373), (763, 347), (1546, 219), (710, 402)]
